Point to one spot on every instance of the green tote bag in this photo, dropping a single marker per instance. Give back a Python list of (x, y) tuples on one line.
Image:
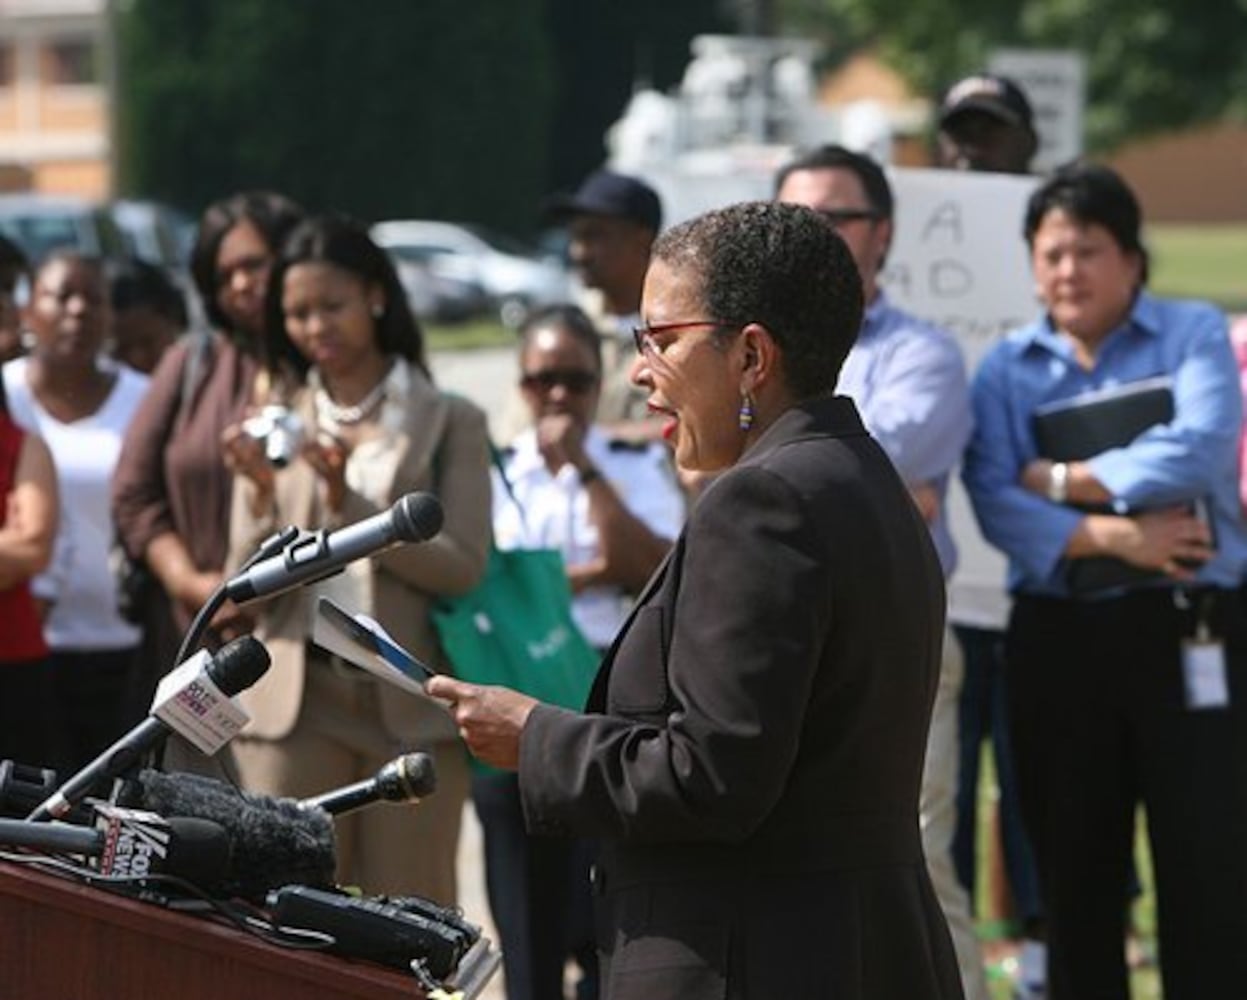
[(516, 627)]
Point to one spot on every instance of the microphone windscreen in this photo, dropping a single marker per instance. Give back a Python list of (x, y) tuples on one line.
[(238, 664), (417, 517), (274, 842)]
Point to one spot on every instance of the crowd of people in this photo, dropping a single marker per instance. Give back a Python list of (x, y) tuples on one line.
[(742, 449)]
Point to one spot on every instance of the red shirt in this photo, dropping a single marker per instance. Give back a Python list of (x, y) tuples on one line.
[(21, 631)]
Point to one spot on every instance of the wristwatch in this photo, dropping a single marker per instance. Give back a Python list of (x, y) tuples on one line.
[(588, 474), (1058, 482)]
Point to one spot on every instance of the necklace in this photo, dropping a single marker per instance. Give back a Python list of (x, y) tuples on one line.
[(347, 415)]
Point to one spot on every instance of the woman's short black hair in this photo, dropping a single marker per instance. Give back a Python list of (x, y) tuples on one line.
[(273, 216), (1090, 194), (569, 318), (782, 266), (344, 243)]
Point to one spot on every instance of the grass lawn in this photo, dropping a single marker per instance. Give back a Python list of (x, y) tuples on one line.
[(1203, 262), (479, 332)]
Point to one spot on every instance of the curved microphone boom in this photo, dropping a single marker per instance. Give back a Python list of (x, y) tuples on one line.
[(408, 778), (235, 667), (415, 517)]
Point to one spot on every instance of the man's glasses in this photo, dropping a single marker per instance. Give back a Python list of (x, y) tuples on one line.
[(839, 216), (574, 380), (643, 336)]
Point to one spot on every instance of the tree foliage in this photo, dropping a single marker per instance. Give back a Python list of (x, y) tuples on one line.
[(429, 108), (1151, 64), (602, 49), (425, 108)]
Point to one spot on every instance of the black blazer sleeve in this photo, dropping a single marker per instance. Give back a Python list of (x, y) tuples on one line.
[(708, 685)]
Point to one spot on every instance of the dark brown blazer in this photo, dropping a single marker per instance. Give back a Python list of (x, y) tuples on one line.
[(753, 750)]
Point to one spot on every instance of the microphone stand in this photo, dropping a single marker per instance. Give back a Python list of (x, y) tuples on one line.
[(216, 600), (193, 638)]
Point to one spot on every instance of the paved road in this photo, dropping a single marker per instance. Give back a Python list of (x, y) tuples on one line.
[(486, 376)]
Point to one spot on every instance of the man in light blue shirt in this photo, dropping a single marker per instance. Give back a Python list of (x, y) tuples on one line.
[(908, 380)]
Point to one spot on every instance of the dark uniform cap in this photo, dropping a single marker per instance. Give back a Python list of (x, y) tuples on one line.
[(997, 96), (607, 193)]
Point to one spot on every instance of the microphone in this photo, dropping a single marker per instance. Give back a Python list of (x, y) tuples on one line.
[(408, 778), (193, 707), (415, 517), (24, 786), (275, 841), (129, 842)]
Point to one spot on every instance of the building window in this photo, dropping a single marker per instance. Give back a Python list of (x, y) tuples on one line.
[(72, 63)]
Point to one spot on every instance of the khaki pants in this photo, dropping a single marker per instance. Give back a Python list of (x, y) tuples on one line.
[(938, 817), (384, 848)]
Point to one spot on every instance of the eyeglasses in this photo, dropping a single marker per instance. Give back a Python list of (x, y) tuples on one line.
[(643, 336), (839, 216), (574, 380)]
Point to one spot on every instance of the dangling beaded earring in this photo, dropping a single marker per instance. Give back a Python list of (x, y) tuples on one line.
[(744, 418)]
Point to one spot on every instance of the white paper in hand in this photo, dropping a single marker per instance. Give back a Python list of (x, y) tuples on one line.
[(363, 642)]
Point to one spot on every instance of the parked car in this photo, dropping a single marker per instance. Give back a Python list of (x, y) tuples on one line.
[(40, 223), (514, 278), (155, 232), (164, 236), (436, 288)]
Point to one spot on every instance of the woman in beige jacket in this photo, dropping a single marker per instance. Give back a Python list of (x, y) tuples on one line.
[(374, 427)]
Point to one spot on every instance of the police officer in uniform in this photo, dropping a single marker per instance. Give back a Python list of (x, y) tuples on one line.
[(612, 506)]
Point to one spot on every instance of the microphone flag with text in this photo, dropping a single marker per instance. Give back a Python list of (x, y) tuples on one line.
[(193, 700), (134, 843), (313, 556)]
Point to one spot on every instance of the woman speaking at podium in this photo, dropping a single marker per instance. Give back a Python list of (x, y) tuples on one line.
[(751, 752)]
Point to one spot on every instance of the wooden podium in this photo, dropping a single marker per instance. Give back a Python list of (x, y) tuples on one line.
[(61, 940)]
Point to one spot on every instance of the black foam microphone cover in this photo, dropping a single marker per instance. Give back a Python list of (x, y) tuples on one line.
[(238, 664), (274, 842)]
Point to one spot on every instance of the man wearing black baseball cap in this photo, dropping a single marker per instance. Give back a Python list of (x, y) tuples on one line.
[(611, 221), (986, 123)]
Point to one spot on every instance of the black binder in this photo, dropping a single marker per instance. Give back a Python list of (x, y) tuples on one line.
[(1082, 426), (1073, 429)]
